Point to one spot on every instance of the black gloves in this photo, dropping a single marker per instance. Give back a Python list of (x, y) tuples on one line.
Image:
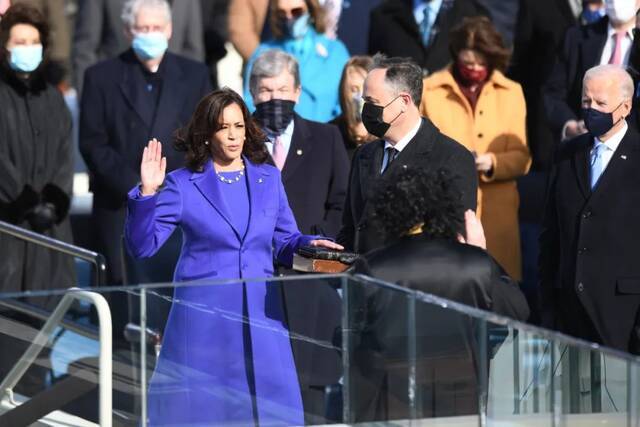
[(41, 210)]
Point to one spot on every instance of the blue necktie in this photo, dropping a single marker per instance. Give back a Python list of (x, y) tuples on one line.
[(597, 163), (426, 26)]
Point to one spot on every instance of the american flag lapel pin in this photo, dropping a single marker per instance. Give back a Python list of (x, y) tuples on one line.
[(260, 180), (623, 157), (299, 152)]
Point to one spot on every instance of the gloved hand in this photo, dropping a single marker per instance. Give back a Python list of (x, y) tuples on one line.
[(17, 210), (42, 217), (61, 202)]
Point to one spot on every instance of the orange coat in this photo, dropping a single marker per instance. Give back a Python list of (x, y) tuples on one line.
[(498, 127)]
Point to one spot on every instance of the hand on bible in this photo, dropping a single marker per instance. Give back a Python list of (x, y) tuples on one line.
[(152, 168)]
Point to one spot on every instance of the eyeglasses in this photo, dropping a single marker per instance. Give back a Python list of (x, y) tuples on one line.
[(295, 13)]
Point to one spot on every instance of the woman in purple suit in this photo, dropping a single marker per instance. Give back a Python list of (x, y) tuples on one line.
[(226, 356)]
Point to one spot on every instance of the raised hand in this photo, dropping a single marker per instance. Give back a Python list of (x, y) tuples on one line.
[(152, 168)]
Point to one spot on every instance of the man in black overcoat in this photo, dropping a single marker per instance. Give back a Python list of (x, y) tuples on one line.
[(590, 275)]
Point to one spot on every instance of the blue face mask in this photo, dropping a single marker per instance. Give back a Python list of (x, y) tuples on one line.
[(149, 45), (297, 28), (591, 16), (25, 59)]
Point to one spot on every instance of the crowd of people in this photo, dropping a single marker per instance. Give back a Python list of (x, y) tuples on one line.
[(519, 115)]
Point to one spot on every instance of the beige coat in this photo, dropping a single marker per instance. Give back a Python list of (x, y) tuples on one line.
[(498, 127), (246, 20)]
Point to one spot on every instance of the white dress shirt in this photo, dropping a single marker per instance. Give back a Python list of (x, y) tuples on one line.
[(627, 41), (418, 10), (400, 145), (611, 144), (285, 139)]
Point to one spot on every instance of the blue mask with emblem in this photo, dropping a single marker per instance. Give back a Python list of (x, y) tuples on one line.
[(25, 59), (149, 45)]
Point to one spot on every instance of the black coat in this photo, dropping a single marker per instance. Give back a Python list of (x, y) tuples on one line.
[(581, 50), (393, 31), (540, 31), (113, 134), (446, 355), (36, 166), (589, 269), (428, 149), (315, 177)]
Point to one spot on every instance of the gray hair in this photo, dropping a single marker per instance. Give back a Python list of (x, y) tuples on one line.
[(131, 8), (403, 75), (270, 64), (614, 73)]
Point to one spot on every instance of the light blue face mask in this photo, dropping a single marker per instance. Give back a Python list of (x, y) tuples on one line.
[(149, 45), (25, 59), (297, 28)]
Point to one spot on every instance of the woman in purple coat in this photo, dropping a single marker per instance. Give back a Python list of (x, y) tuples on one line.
[(226, 356)]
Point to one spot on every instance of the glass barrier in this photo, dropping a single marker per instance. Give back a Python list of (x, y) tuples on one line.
[(296, 350)]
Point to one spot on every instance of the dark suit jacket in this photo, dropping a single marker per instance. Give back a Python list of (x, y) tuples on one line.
[(540, 31), (393, 31), (446, 355), (113, 134), (315, 177), (428, 149), (581, 50), (99, 33), (589, 269)]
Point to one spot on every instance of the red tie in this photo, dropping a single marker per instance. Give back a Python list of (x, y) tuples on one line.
[(616, 56), (279, 153)]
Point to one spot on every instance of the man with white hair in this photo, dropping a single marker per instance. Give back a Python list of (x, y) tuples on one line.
[(590, 274), (100, 32), (145, 92)]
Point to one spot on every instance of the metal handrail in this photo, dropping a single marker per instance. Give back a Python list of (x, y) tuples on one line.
[(94, 258), (41, 339)]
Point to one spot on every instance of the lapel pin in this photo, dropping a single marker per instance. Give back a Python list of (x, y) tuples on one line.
[(260, 180), (623, 157), (299, 152), (404, 166)]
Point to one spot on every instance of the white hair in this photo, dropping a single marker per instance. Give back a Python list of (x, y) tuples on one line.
[(131, 8), (270, 64), (614, 73)]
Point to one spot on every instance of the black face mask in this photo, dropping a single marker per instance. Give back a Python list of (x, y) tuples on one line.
[(275, 115), (372, 118), (597, 122)]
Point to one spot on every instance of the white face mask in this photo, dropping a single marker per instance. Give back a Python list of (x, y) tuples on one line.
[(620, 11)]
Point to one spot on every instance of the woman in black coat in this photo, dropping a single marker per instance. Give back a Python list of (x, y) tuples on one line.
[(36, 174), (36, 157), (422, 219)]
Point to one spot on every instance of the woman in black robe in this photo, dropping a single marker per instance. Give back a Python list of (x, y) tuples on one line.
[(36, 173)]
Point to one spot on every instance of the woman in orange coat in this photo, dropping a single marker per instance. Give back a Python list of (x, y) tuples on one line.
[(473, 102)]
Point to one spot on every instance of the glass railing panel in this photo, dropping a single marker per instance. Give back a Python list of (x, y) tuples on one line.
[(308, 350)]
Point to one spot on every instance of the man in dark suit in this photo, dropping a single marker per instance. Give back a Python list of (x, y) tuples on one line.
[(590, 275), (311, 155), (607, 41), (143, 93), (100, 33), (392, 93), (418, 29), (315, 170), (539, 33)]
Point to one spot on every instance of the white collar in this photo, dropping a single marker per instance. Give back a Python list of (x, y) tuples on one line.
[(615, 140), (611, 31), (400, 145)]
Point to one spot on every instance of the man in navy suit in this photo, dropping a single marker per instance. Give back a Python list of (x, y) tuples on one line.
[(145, 92), (590, 276), (315, 168)]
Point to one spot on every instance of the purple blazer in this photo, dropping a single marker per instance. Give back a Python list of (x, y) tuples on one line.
[(208, 368)]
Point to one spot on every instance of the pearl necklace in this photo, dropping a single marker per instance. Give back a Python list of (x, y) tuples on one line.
[(231, 180)]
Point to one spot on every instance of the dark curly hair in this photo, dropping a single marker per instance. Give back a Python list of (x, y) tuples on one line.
[(23, 14), (206, 121), (414, 196)]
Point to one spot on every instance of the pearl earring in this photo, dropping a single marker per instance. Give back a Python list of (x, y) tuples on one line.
[(206, 143)]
